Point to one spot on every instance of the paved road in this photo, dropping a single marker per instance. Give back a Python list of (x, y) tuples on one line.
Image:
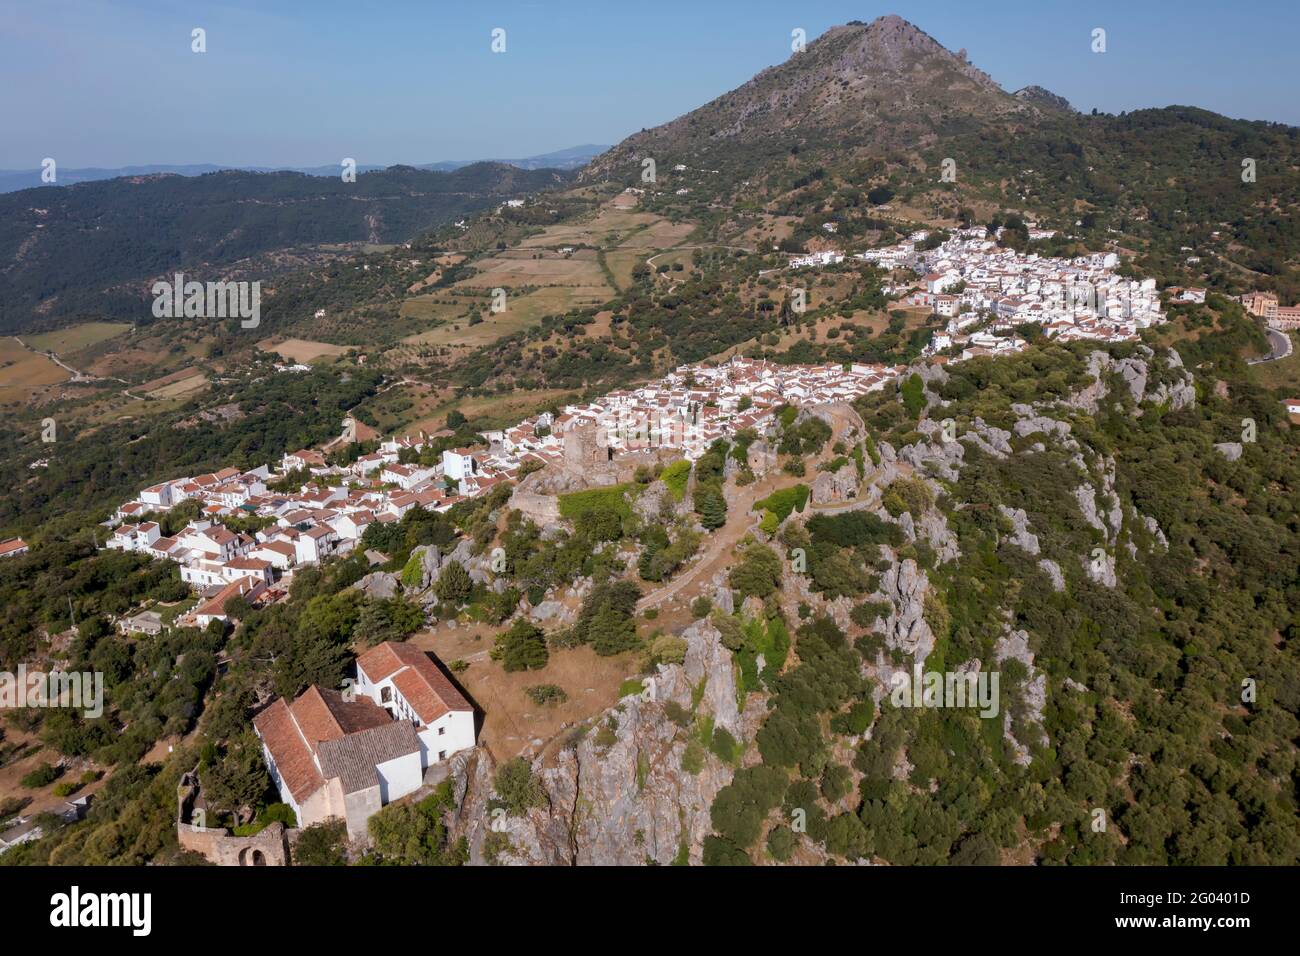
[(1282, 348)]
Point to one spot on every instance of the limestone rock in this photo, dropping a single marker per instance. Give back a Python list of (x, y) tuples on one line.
[(1021, 536), (379, 584), (552, 612), (1230, 450), (905, 586), (842, 485), (1053, 571), (623, 803), (1033, 690)]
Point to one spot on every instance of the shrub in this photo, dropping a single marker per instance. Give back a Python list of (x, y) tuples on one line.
[(454, 585), (517, 790), (667, 649), (42, 776), (912, 390), (522, 647), (322, 844), (782, 503), (781, 843), (676, 476), (612, 499), (544, 694), (758, 573), (912, 495)]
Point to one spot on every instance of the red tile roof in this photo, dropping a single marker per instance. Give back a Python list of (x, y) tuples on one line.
[(293, 758), (426, 688)]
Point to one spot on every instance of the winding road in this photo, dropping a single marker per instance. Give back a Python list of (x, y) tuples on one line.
[(1281, 343)]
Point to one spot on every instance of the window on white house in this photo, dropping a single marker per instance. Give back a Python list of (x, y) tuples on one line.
[(441, 731), (442, 755)]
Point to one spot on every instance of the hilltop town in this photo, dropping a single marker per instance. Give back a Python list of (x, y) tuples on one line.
[(329, 511), (986, 291)]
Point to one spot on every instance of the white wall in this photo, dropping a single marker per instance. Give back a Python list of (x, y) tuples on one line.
[(457, 734), (399, 776)]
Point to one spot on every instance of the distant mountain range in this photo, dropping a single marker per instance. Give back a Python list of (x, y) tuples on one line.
[(12, 180), (88, 250)]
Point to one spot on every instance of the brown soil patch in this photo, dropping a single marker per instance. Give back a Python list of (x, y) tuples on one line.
[(511, 721)]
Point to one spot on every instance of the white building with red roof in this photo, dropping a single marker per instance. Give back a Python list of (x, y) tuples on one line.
[(406, 682), (333, 756)]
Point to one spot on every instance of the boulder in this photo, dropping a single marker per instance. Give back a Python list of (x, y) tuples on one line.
[(379, 585)]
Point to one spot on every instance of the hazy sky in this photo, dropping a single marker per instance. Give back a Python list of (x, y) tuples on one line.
[(114, 82)]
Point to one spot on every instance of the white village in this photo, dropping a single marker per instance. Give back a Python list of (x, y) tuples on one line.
[(345, 755)]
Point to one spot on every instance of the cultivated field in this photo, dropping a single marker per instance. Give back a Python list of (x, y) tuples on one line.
[(22, 371), (176, 385), (302, 350), (76, 337), (521, 312)]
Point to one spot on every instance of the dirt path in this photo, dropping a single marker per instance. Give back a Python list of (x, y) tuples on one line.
[(77, 374), (719, 550)]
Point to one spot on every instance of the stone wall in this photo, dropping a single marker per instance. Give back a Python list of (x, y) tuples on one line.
[(215, 844)]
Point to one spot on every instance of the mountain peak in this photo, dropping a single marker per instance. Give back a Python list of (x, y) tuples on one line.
[(881, 83)]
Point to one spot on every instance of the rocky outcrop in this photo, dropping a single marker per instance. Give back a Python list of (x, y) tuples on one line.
[(990, 439), (1153, 528), (379, 584), (1100, 567), (842, 485), (553, 612), (1014, 645), (933, 376), (933, 527), (617, 795), (1136, 374), (723, 597), (1231, 450), (905, 585), (650, 503), (1021, 536), (1053, 571), (938, 457)]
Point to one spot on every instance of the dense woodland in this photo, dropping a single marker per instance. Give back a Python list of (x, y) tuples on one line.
[(98, 239)]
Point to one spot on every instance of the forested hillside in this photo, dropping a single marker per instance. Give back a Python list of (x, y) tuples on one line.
[(88, 249)]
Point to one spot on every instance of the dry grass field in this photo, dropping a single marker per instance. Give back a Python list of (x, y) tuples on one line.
[(178, 384), (76, 337), (513, 722), (521, 269), (302, 350), (23, 371)]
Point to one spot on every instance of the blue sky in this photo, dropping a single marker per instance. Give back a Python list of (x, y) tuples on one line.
[(113, 82)]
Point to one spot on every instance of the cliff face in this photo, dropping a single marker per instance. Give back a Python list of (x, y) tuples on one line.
[(618, 794)]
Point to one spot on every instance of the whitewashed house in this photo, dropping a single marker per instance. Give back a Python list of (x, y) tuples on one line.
[(406, 682)]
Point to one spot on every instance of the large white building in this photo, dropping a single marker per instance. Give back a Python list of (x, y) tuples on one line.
[(403, 679), (333, 755)]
